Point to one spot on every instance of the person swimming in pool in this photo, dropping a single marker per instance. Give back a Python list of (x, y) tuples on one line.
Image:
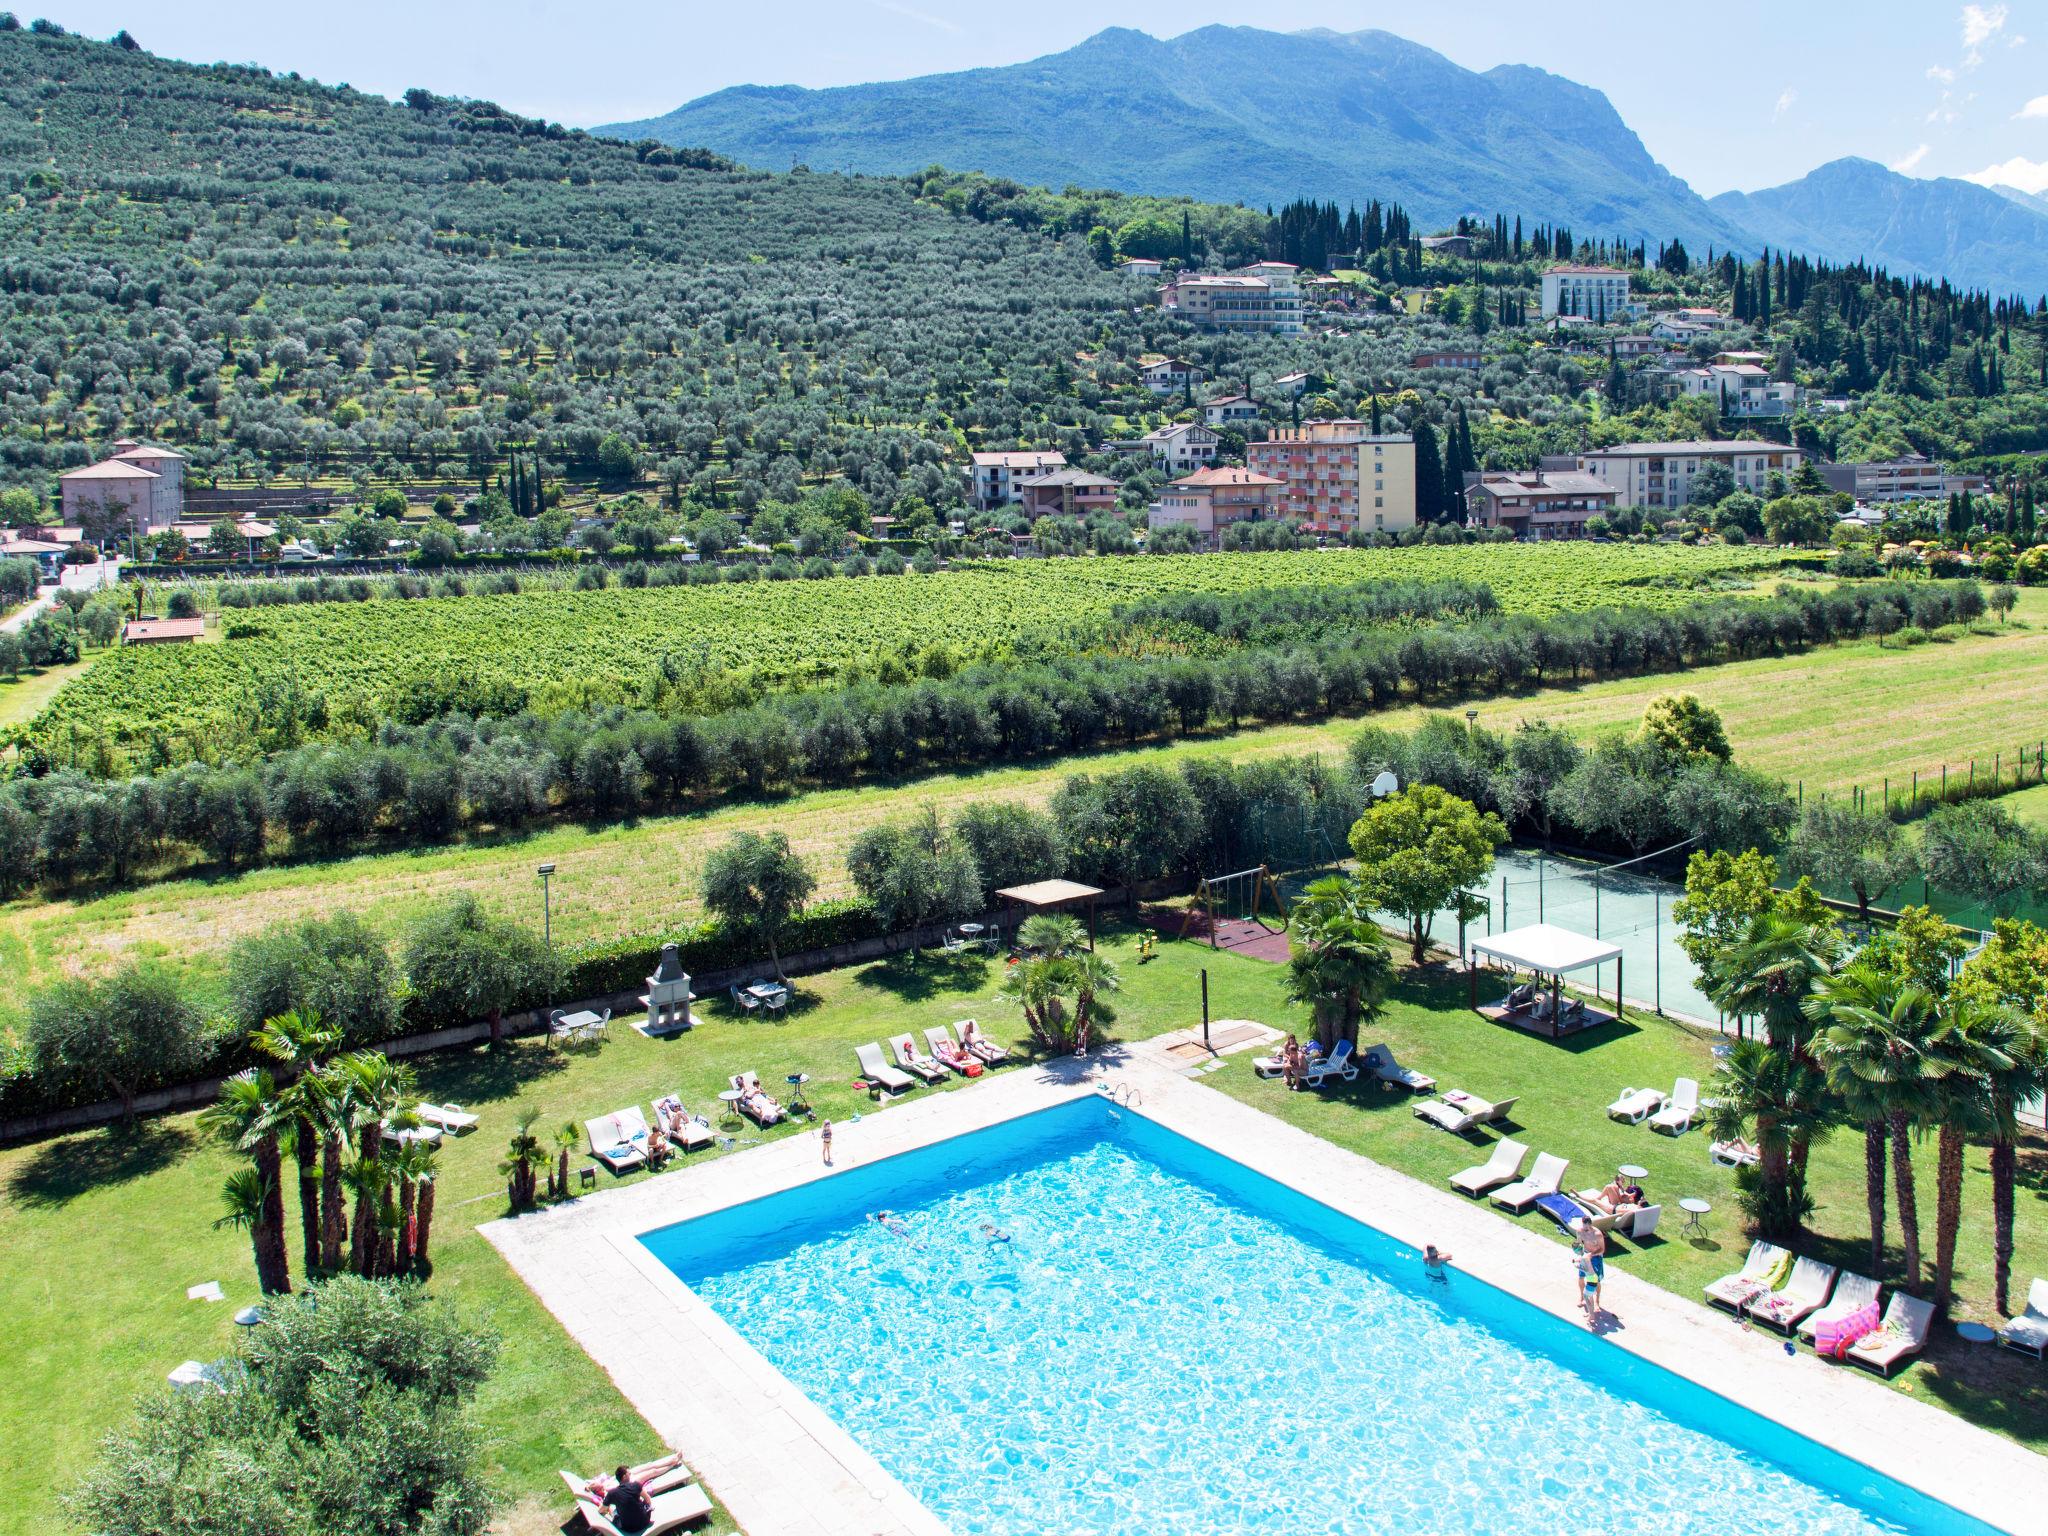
[(889, 1221), (994, 1233), (1434, 1260)]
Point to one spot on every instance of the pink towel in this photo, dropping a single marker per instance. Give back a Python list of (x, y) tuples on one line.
[(1835, 1336)]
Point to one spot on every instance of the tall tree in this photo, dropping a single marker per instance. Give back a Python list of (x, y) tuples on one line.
[(1337, 961), (299, 1042), (251, 1117), (755, 883)]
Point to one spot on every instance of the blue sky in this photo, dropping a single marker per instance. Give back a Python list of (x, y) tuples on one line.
[(1738, 93)]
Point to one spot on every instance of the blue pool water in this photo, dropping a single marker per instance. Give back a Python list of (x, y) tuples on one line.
[(1169, 1342)]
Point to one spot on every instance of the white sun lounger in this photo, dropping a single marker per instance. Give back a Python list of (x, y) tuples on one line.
[(876, 1070), (619, 1141), (1379, 1060), (1729, 1155), (1852, 1294), (2029, 1331), (682, 1128), (948, 1052), (1635, 1105), (1546, 1178), (1804, 1291), (756, 1103), (1675, 1118), (446, 1116), (1447, 1117), (978, 1043), (672, 1511), (911, 1059), (1903, 1332), (1732, 1291), (1337, 1064), (1503, 1167)]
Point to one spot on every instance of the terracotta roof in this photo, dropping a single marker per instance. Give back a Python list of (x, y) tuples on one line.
[(110, 469), (1227, 476), (162, 629), (146, 451), (1027, 459)]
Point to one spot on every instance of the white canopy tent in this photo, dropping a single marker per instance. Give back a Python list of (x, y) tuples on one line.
[(1548, 951)]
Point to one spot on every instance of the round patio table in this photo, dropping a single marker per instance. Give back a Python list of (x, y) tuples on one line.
[(1694, 1209), (1631, 1171), (1975, 1333), (731, 1099)]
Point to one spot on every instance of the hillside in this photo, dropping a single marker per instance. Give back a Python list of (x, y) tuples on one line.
[(1236, 114), (1853, 209)]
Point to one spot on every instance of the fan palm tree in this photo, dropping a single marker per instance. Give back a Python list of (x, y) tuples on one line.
[(565, 1143), (329, 1091), (524, 1155), (1859, 994), (247, 1205), (380, 1094), (1971, 1054), (1339, 964), (423, 1213), (1768, 975), (366, 1178), (1776, 1100), (1061, 985), (2022, 1046), (298, 1042), (251, 1117)]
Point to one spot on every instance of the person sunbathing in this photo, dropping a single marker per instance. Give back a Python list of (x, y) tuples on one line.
[(953, 1056), (1292, 1063), (1618, 1199)]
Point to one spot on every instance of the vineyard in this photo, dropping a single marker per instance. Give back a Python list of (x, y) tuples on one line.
[(338, 667)]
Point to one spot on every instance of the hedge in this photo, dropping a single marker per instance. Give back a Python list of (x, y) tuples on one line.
[(611, 966)]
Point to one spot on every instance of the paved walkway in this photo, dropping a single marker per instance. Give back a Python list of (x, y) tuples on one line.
[(783, 1468)]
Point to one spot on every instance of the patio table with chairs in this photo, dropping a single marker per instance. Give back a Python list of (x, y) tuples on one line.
[(566, 1028)]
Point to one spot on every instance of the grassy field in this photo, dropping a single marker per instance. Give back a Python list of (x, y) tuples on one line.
[(89, 1327), (86, 1336), (1833, 717), (24, 697)]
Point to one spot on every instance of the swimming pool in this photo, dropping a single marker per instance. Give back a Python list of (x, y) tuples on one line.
[(1079, 1321)]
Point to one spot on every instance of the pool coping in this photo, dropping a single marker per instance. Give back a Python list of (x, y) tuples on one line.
[(783, 1467)]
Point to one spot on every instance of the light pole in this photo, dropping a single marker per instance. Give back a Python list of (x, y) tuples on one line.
[(547, 917)]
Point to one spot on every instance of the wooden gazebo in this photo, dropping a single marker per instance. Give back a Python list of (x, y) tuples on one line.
[(1050, 896)]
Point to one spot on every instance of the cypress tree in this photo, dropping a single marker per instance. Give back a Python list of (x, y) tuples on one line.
[(1429, 475)]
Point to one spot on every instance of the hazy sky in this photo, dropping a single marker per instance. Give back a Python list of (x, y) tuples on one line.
[(1735, 93)]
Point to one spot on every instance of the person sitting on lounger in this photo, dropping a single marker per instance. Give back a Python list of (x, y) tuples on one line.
[(628, 1505), (1619, 1199), (1291, 1063), (1740, 1147)]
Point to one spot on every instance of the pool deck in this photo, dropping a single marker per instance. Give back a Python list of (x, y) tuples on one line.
[(782, 1467)]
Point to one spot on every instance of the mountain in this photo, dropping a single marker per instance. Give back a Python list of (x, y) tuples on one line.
[(1937, 227), (2033, 200), (1235, 114)]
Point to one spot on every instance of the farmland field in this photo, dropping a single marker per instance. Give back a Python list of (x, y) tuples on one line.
[(622, 645)]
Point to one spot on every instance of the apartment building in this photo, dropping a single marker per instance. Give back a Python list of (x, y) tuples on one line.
[(1466, 360), (1539, 504), (995, 476), (1265, 296), (1230, 411), (1169, 375), (1141, 266), (1911, 478), (1742, 390), (1209, 500), (1660, 475), (1181, 447), (1591, 293), (141, 484), (1339, 477), (1065, 493)]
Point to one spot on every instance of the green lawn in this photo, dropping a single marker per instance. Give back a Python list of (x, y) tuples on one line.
[(101, 1232)]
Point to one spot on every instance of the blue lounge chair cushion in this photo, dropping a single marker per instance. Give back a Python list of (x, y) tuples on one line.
[(1561, 1208)]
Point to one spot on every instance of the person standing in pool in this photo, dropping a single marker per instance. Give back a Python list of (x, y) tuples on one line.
[(1433, 1261)]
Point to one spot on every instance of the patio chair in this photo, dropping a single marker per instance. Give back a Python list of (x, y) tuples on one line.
[(1852, 1294), (1763, 1271), (746, 1000), (911, 1059), (1546, 1178), (682, 1128), (777, 1001), (971, 1036), (879, 1072), (1337, 1064), (1639, 1223), (1902, 1333), (619, 1140), (2029, 1331), (1804, 1292), (1503, 1167), (1675, 1118), (1379, 1060), (755, 1102)]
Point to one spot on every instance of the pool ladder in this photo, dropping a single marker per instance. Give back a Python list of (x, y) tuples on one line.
[(1123, 1093)]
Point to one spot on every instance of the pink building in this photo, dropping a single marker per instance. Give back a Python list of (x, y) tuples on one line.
[(140, 482)]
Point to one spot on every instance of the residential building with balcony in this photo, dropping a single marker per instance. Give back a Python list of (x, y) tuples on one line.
[(1660, 475), (994, 476), (1539, 504), (1742, 390), (1263, 297), (1230, 411), (1913, 477), (1466, 360), (1339, 477), (1140, 266), (1209, 500), (1065, 493), (1182, 446), (1169, 375), (1591, 293)]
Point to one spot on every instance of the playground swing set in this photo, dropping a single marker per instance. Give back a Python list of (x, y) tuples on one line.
[(1240, 899)]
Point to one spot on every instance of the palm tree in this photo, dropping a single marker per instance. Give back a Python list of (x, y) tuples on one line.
[(1970, 1054), (298, 1041), (1769, 973), (2022, 1045), (565, 1143), (333, 1110), (380, 1095), (248, 1202), (523, 1155), (1061, 987), (366, 1178), (423, 1214), (1339, 964), (1778, 1101), (250, 1117), (1854, 1009)]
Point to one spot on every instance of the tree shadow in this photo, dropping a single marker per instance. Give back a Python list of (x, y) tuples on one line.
[(58, 1172), (1997, 1389), (921, 978), (482, 1075)]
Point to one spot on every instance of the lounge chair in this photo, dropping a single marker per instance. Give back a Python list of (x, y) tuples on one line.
[(682, 1128), (619, 1141), (1379, 1060), (1675, 1118), (979, 1044), (446, 1116), (2029, 1331), (950, 1053), (1503, 1167), (1546, 1178), (1729, 1155), (674, 1508), (1804, 1292), (1763, 1271), (1447, 1117), (1638, 1223), (879, 1072), (911, 1059), (1635, 1105), (1337, 1064), (411, 1135), (755, 1102), (1903, 1332), (1852, 1294)]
